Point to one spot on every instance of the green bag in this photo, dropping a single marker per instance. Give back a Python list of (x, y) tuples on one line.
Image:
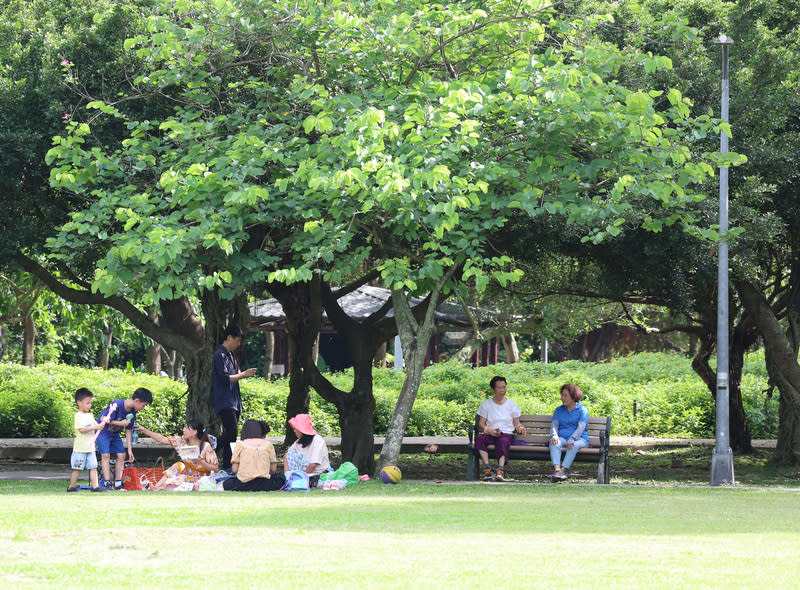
[(347, 471)]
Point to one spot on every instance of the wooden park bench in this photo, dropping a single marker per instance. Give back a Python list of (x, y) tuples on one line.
[(534, 446)]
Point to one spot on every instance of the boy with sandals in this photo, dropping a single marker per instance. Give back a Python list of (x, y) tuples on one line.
[(497, 422)]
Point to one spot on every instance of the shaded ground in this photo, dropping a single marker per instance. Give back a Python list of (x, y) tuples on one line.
[(670, 465), (690, 465)]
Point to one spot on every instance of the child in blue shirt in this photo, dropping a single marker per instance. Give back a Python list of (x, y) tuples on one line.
[(119, 415)]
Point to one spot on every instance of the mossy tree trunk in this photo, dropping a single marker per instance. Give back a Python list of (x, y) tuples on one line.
[(415, 334), (781, 349)]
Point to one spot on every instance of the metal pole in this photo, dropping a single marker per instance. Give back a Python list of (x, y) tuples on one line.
[(722, 458)]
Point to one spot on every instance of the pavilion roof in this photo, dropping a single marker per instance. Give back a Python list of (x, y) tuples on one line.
[(267, 314)]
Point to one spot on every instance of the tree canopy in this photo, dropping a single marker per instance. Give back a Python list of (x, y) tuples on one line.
[(293, 140)]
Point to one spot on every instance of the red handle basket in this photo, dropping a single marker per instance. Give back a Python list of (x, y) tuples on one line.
[(142, 478)]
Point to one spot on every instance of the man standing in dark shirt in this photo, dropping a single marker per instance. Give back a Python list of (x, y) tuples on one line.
[(227, 398)]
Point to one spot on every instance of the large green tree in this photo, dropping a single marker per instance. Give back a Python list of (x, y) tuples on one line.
[(419, 178), (306, 142), (43, 47), (670, 268), (764, 63)]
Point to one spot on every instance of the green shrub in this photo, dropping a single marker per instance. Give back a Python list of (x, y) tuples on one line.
[(669, 399), (38, 402)]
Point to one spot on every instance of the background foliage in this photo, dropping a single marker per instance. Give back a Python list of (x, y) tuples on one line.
[(670, 400)]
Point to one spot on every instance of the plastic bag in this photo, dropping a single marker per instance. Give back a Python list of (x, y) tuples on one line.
[(207, 483), (347, 471)]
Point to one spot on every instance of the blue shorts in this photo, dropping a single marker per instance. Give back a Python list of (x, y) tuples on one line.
[(110, 442), (81, 461)]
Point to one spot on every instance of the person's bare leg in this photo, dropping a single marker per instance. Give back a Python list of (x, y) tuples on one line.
[(105, 465)]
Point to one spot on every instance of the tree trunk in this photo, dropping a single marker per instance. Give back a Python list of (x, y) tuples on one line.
[(153, 358), (200, 398), (743, 338), (787, 450), (269, 352), (179, 316), (315, 351), (105, 354), (414, 337), (740, 437), (153, 354), (379, 361), (357, 426), (356, 410), (29, 340), (510, 346), (302, 304), (3, 341), (176, 366), (169, 362), (781, 358), (356, 407), (303, 309)]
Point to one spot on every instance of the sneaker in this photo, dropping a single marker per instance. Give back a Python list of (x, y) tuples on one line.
[(72, 489), (501, 475), (98, 489), (488, 474), (118, 487), (559, 475)]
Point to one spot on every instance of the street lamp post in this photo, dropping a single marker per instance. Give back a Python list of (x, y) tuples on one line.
[(722, 458)]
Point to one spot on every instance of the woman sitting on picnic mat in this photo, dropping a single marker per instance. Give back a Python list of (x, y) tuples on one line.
[(198, 457), (309, 452), (254, 461), (568, 431)]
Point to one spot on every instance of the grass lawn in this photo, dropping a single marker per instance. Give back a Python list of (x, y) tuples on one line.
[(413, 535)]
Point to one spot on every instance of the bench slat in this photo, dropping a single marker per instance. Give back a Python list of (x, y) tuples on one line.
[(546, 449), (544, 439)]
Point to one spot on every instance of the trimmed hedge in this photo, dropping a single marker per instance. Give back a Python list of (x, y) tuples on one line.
[(669, 399), (38, 402)]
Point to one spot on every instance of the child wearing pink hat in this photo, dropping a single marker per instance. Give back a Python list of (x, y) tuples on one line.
[(309, 452)]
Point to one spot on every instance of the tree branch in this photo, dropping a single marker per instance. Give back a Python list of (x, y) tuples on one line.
[(137, 317)]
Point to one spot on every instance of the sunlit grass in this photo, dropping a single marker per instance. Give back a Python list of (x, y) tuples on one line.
[(410, 535)]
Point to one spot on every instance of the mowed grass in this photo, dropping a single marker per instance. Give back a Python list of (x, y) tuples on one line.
[(413, 535)]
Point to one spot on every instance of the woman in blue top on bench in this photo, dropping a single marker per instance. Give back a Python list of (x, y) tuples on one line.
[(568, 431)]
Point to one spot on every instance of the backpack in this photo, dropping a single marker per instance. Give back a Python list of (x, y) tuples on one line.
[(296, 481)]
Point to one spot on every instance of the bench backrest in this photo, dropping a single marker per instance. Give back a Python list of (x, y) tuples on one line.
[(538, 428)]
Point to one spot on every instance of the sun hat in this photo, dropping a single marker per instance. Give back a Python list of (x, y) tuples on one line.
[(302, 422)]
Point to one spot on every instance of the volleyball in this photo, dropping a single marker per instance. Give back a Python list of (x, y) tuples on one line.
[(391, 474)]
